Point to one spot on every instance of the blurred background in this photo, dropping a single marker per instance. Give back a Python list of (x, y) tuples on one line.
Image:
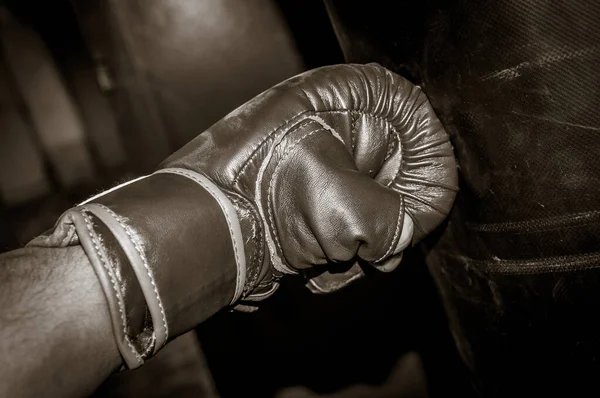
[(94, 92)]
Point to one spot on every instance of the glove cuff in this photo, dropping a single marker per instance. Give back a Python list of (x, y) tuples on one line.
[(169, 250)]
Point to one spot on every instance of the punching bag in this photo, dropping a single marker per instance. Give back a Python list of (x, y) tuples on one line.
[(517, 85)]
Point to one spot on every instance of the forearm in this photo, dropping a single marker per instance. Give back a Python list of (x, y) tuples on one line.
[(73, 304), (55, 330)]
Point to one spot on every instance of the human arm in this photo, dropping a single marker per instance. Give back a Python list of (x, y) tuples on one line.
[(55, 330)]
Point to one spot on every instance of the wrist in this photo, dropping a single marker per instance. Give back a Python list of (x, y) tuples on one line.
[(167, 253)]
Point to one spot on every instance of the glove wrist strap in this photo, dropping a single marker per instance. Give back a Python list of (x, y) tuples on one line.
[(168, 251)]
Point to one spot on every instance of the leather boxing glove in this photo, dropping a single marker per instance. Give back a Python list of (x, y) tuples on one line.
[(338, 164)]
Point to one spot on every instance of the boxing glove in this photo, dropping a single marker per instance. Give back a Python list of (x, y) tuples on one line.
[(331, 170)]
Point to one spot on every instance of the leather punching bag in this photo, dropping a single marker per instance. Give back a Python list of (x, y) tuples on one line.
[(517, 85)]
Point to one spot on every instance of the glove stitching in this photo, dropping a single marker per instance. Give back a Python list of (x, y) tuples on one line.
[(392, 144), (276, 261), (353, 131), (140, 252), (389, 152), (255, 237), (415, 106), (272, 180), (225, 213), (399, 139), (262, 142), (150, 348), (396, 234), (256, 241), (266, 283), (101, 255), (287, 123), (255, 150), (272, 288), (300, 125)]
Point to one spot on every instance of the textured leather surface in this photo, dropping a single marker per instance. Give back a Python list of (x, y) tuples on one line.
[(338, 164), (174, 235), (517, 85), (171, 216), (340, 161)]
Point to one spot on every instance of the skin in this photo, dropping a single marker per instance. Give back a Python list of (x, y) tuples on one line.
[(55, 331)]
